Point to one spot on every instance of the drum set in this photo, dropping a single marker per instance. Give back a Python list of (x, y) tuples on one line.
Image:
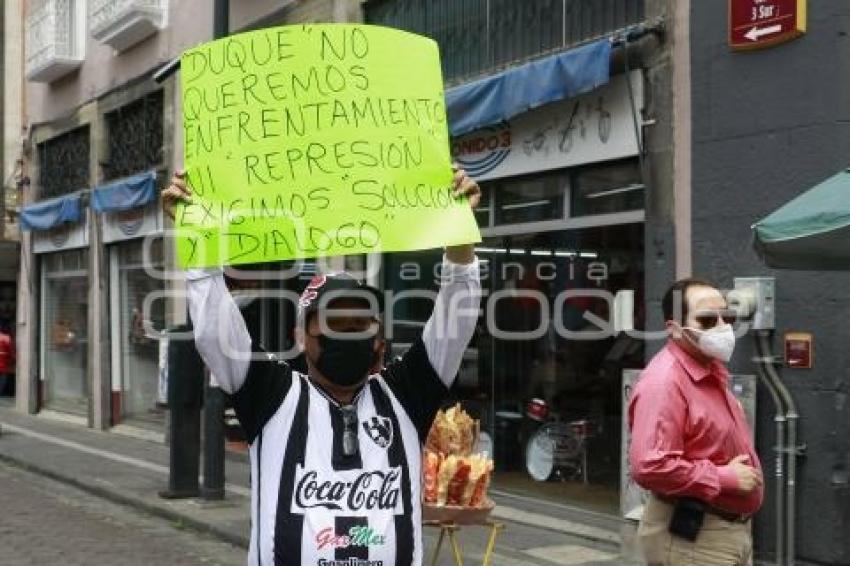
[(557, 450)]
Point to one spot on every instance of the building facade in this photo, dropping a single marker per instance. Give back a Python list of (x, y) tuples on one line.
[(97, 129), (594, 202), (766, 126), (13, 173), (562, 219)]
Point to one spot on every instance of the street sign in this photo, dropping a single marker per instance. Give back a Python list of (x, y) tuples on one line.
[(755, 24)]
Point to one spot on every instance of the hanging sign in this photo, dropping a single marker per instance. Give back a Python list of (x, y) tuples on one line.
[(597, 126)]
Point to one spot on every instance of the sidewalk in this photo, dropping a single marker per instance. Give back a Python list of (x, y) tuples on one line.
[(132, 471)]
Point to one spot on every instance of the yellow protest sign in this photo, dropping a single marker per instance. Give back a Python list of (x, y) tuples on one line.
[(316, 140)]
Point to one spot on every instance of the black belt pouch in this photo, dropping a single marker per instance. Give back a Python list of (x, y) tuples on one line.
[(688, 515)]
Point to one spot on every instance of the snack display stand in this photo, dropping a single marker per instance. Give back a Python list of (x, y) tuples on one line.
[(455, 482), (452, 530)]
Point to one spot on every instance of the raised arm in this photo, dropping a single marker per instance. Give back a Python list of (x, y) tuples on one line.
[(421, 378), (452, 324), (220, 332)]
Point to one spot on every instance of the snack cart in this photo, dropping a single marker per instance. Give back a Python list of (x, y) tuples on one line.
[(455, 479)]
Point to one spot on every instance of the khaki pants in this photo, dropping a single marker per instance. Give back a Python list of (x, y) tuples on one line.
[(720, 542)]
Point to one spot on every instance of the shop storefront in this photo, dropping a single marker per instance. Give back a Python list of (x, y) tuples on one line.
[(63, 261), (138, 394), (563, 235), (132, 228)]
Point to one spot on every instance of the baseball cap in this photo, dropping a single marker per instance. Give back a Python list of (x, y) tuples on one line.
[(323, 289)]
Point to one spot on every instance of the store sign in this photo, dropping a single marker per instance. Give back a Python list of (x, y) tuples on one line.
[(754, 24), (66, 236), (597, 126), (134, 223)]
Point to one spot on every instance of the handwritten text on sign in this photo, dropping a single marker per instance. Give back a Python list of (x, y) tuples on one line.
[(305, 141)]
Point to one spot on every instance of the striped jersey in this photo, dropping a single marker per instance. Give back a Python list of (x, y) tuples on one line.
[(312, 504)]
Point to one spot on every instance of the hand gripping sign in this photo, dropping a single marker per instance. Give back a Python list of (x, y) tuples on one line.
[(316, 140)]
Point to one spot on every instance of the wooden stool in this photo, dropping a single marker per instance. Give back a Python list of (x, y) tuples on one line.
[(453, 528)]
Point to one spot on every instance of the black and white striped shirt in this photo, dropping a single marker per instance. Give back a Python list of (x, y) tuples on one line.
[(311, 504)]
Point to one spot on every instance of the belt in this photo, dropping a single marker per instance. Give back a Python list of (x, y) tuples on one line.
[(728, 516)]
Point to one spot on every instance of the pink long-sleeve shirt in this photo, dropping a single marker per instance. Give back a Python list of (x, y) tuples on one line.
[(686, 427)]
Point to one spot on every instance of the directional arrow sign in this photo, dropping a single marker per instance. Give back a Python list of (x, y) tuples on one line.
[(755, 33), (754, 24)]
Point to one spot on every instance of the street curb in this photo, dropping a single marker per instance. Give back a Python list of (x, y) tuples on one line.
[(203, 527), (557, 524), (133, 502), (222, 534), (529, 517)]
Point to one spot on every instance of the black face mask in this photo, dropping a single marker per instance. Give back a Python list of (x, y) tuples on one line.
[(345, 361)]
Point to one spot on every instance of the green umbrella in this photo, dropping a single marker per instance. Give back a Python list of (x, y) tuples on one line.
[(810, 232)]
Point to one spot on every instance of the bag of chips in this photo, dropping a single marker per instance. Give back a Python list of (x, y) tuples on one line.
[(452, 474)]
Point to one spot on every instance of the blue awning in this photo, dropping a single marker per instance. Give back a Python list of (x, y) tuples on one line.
[(500, 97), (125, 194), (49, 214)]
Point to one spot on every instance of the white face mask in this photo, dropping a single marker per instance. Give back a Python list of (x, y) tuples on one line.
[(717, 342)]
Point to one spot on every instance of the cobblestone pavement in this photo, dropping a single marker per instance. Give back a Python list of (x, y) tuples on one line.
[(43, 522)]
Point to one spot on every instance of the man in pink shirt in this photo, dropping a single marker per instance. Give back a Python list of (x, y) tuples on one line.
[(691, 445)]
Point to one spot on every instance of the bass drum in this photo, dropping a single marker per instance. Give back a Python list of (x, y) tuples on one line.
[(553, 446), (540, 456)]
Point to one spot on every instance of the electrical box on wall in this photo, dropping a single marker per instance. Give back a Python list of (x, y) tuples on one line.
[(755, 299)]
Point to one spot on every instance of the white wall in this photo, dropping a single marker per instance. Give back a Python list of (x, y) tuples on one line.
[(189, 23)]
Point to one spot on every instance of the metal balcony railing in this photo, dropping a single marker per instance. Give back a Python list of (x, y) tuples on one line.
[(478, 36), (123, 23), (54, 40)]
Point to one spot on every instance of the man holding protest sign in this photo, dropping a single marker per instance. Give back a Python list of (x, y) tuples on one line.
[(336, 453)]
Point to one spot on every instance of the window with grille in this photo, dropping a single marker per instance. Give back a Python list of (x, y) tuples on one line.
[(134, 137), (64, 163)]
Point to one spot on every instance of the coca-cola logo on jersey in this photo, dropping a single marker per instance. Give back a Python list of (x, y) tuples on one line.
[(352, 492)]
